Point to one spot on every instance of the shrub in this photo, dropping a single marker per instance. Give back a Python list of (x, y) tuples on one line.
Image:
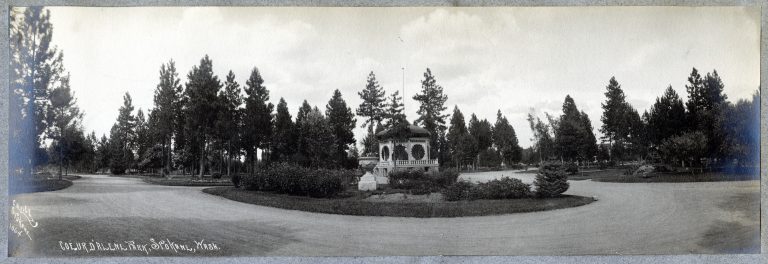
[(236, 180), (296, 180), (504, 188), (571, 168), (216, 175), (420, 182), (458, 191), (551, 180), (630, 169)]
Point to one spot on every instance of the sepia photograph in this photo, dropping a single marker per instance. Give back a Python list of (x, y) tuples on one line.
[(242, 131)]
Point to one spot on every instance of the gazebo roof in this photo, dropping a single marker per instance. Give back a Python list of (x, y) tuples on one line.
[(409, 131)]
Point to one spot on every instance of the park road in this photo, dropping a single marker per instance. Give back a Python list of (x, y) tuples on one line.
[(628, 218)]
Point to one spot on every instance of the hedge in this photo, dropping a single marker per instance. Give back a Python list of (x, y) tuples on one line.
[(296, 180)]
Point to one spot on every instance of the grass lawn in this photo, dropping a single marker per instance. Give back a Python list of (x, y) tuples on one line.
[(355, 205), (617, 175), (188, 181), (42, 184)]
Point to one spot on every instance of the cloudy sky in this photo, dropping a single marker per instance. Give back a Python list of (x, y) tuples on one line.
[(517, 60)]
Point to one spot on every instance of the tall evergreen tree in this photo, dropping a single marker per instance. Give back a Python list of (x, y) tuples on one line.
[(284, 136), (505, 139), (35, 69), (201, 90), (666, 117), (63, 114), (570, 132), (588, 146), (342, 121), (122, 137), (166, 100), (393, 114), (614, 109), (229, 119), (257, 120), (372, 107), (460, 143), (432, 104), (696, 98), (482, 133)]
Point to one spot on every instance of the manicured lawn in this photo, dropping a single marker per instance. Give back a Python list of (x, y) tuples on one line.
[(616, 175), (187, 181), (355, 205), (40, 184)]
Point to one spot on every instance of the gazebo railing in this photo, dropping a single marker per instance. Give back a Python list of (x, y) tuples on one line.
[(406, 163)]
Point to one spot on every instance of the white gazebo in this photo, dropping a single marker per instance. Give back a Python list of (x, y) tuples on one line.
[(403, 148)]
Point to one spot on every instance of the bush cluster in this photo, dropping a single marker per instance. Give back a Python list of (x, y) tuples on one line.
[(296, 180), (504, 188), (420, 182), (551, 181), (236, 180), (216, 175)]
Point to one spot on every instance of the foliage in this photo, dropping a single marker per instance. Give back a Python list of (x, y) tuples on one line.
[(690, 147), (122, 137), (342, 121), (551, 180), (257, 117), (431, 106), (505, 139), (460, 190), (284, 135), (216, 175), (544, 145), (571, 168), (422, 182), (202, 88), (236, 180), (393, 114), (316, 139), (504, 188), (296, 180), (228, 123), (666, 117), (461, 144), (167, 99), (574, 137), (372, 106)]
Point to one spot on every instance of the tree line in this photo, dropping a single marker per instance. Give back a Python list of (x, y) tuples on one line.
[(706, 130), (207, 125)]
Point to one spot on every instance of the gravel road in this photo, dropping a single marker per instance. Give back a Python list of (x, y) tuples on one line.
[(628, 218)]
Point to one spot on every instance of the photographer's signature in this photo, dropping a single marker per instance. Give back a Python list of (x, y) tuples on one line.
[(21, 220)]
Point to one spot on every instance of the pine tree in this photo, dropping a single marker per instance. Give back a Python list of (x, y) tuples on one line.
[(63, 114), (284, 139), (202, 88), (432, 104), (460, 144), (122, 137), (696, 99), (342, 121), (588, 144), (35, 69), (166, 100), (257, 119), (505, 139), (229, 119), (394, 115), (666, 117), (372, 107)]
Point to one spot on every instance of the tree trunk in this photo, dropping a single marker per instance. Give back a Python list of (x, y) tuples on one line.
[(229, 158), (202, 160), (61, 159)]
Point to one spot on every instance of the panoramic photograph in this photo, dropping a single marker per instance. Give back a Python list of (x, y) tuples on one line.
[(383, 131)]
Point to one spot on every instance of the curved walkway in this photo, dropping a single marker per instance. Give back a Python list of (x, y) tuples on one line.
[(659, 218)]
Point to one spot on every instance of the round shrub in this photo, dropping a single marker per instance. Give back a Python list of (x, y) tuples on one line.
[(216, 175), (551, 180)]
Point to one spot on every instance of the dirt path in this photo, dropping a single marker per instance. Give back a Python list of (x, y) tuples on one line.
[(663, 218)]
